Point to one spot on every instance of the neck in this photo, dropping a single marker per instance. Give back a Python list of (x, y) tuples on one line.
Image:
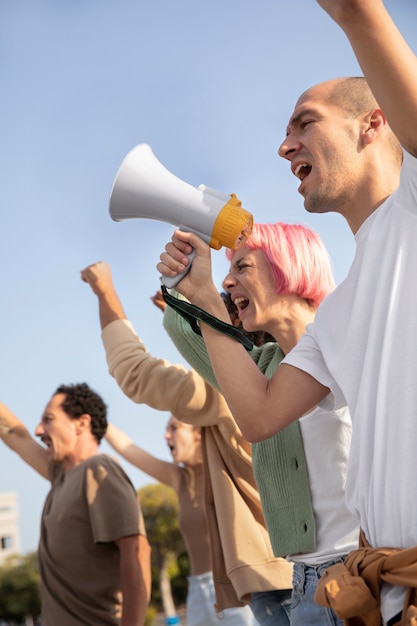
[(355, 221), (80, 454), (194, 463), (376, 188)]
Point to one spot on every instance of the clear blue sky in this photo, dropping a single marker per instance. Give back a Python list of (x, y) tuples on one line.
[(210, 86)]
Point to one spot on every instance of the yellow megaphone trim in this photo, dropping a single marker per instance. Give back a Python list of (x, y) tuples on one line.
[(232, 227)]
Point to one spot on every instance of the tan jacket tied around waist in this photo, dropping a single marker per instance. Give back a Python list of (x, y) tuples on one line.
[(352, 588)]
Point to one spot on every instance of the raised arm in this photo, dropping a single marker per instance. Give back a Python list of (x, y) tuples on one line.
[(99, 277), (260, 406), (140, 375), (17, 437), (388, 63), (163, 471)]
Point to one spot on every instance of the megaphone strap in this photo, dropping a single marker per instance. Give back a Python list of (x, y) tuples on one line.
[(193, 314)]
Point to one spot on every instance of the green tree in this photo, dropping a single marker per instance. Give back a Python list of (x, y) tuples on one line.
[(19, 589), (170, 564)]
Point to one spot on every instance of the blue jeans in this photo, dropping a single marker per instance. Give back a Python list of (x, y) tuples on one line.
[(272, 608), (304, 611), (201, 599)]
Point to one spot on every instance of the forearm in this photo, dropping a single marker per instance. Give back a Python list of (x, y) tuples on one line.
[(17, 437), (11, 428), (260, 406), (135, 579), (145, 566), (99, 277), (135, 603), (162, 471), (118, 440), (240, 381), (110, 308)]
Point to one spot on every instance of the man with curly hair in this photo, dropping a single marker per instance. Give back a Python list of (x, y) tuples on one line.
[(94, 558)]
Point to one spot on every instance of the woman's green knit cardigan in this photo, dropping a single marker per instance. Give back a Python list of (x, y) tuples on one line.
[(279, 463)]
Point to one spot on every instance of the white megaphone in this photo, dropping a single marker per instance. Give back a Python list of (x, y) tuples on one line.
[(143, 188)]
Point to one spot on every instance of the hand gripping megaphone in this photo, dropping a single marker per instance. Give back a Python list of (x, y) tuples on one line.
[(143, 188)]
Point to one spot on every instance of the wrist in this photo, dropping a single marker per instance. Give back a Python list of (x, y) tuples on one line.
[(212, 303)]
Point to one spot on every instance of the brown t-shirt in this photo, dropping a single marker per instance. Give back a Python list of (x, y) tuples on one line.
[(87, 509)]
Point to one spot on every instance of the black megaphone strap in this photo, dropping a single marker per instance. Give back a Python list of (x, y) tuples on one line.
[(193, 314)]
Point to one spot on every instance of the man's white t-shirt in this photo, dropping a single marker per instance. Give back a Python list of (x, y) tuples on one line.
[(363, 346), (326, 441)]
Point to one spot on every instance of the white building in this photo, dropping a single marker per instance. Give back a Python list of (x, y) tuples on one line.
[(9, 525)]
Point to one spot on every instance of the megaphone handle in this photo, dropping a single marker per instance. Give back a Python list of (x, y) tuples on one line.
[(171, 282)]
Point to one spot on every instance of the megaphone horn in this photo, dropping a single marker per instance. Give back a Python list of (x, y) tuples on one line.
[(144, 188)]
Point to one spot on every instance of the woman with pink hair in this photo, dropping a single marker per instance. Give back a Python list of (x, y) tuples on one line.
[(277, 281)]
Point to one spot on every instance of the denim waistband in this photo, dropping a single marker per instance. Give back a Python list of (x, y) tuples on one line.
[(315, 571)]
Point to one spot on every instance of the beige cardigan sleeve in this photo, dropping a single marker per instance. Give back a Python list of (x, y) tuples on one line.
[(156, 382)]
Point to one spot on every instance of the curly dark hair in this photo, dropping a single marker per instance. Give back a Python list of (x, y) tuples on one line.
[(79, 399)]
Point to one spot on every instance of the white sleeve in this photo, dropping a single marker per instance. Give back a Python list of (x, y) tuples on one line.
[(307, 356)]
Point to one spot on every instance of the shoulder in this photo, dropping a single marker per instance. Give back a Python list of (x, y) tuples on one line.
[(102, 467), (103, 475), (101, 460)]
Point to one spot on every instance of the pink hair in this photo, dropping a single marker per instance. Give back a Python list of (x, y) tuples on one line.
[(298, 258)]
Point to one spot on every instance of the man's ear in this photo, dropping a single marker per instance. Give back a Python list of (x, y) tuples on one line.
[(375, 123), (83, 423)]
